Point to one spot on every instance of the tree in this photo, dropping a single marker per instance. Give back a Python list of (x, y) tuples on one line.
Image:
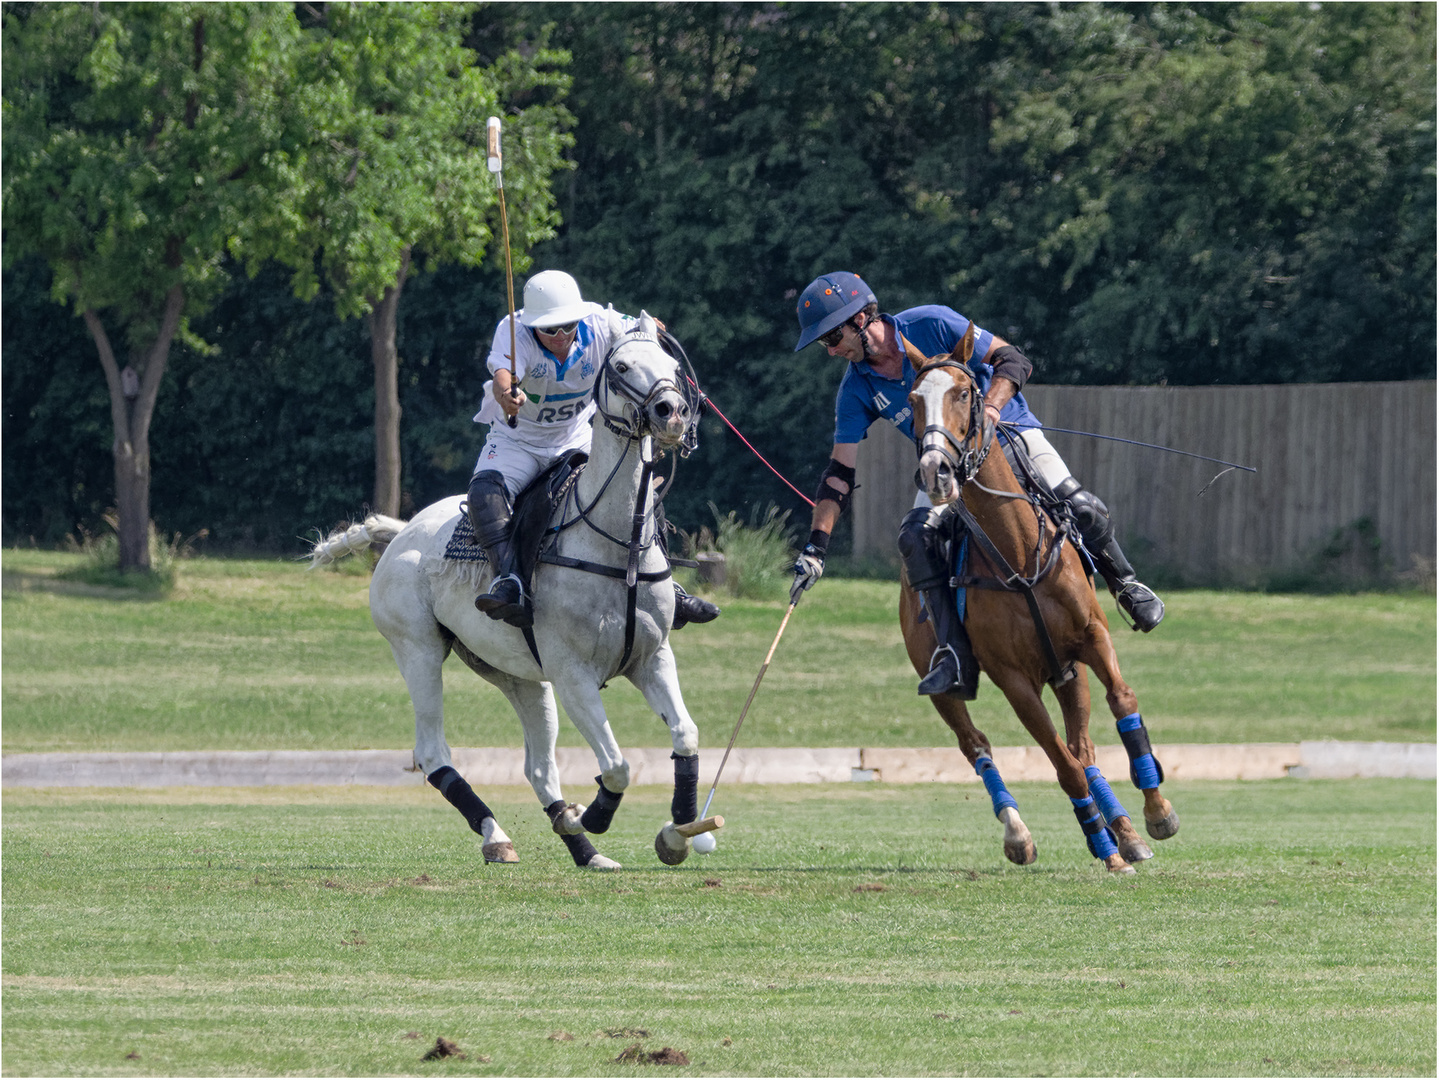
[(1221, 193), (393, 171), (135, 144)]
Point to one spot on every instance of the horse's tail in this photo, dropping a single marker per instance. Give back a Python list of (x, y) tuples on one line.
[(376, 531)]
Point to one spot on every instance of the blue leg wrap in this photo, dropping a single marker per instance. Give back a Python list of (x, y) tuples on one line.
[(994, 784), (1104, 797), (1144, 770), (1096, 835)]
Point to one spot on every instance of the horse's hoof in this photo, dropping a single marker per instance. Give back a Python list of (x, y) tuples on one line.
[(599, 862), (670, 846), (503, 852), (1115, 864), (1165, 827), (1021, 854), (567, 821), (1131, 845)]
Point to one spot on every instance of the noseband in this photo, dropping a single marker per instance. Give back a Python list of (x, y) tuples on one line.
[(963, 457)]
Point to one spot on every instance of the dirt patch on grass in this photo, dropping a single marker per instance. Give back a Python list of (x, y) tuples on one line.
[(637, 1055), (443, 1048)]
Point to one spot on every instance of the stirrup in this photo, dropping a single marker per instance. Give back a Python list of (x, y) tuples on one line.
[(510, 605), (947, 676), (1140, 604)]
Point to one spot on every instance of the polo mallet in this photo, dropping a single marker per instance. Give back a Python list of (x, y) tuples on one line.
[(497, 166), (753, 690)]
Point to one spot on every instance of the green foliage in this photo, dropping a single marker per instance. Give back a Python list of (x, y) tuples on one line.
[(757, 555), (390, 115), (137, 141), (840, 929), (1131, 193), (102, 567)]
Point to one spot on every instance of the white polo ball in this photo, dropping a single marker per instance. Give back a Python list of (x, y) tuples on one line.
[(704, 843)]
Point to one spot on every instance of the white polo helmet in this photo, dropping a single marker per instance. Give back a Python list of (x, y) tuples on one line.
[(552, 298)]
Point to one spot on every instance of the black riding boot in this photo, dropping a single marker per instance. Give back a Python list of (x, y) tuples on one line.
[(489, 507), (691, 609), (688, 609), (1095, 526), (953, 668)]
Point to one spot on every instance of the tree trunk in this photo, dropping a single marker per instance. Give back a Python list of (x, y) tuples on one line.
[(382, 319), (132, 404)]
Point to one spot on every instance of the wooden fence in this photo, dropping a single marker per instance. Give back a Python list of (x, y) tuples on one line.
[(1330, 456)]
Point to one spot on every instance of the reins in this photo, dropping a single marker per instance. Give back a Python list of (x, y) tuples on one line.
[(965, 460), (632, 425)]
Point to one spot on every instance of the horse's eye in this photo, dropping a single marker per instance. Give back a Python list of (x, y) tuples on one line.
[(622, 367)]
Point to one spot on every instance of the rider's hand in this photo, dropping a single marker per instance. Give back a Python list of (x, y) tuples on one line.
[(808, 569), (510, 400)]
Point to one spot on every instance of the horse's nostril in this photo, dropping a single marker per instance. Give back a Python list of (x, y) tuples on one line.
[(662, 410)]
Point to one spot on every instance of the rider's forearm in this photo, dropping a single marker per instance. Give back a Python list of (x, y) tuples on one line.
[(1001, 390), (824, 519)]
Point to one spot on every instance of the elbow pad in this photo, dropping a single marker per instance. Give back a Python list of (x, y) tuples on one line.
[(843, 473), (1009, 363)]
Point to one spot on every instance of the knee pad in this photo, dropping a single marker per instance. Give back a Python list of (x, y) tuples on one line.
[(922, 548), (489, 508), (1090, 514)]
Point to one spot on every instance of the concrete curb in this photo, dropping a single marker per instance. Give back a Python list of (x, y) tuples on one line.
[(492, 767)]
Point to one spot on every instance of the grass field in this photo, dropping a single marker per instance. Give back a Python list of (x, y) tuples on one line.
[(850, 930), (250, 655)]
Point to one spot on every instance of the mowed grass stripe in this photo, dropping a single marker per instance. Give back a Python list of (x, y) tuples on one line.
[(252, 655), (838, 930)]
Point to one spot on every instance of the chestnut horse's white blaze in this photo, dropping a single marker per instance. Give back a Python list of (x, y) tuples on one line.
[(424, 606)]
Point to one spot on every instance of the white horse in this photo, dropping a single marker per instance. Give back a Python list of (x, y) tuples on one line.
[(603, 606)]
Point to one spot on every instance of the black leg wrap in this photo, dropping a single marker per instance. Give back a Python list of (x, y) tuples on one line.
[(580, 848), (684, 805), (458, 793), (598, 815)]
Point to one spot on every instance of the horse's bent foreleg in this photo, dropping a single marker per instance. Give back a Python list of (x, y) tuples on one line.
[(581, 699)]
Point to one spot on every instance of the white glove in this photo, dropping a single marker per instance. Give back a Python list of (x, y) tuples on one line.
[(808, 569)]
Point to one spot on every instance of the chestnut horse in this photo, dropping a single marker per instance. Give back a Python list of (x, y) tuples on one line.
[(1045, 581)]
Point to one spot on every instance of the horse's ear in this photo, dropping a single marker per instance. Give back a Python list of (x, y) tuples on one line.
[(965, 349), (917, 359), (646, 324)]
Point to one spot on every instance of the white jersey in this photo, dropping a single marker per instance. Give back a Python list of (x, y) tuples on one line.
[(558, 394)]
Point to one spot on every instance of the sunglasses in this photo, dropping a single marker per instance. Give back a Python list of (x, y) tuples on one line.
[(558, 331), (834, 337)]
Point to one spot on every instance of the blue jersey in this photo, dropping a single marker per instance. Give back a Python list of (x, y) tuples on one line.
[(865, 397)]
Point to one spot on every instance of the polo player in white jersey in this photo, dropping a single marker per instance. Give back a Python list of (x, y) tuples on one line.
[(561, 339)]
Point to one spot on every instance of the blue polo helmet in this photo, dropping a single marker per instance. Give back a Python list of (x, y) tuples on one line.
[(828, 301)]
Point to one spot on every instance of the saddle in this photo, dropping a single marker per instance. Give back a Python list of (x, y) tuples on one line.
[(530, 519)]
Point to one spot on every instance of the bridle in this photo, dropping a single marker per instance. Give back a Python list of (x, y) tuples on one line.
[(964, 456), (633, 420)]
